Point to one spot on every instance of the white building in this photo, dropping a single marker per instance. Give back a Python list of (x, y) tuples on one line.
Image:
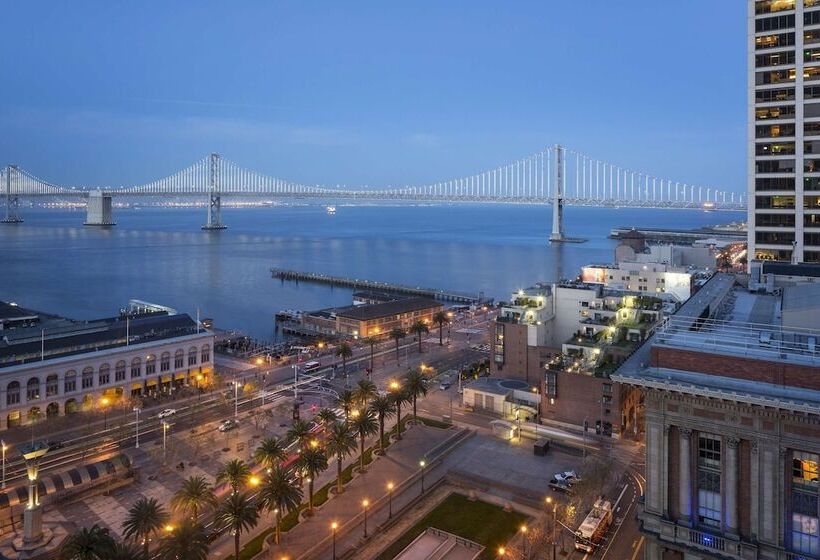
[(56, 366)]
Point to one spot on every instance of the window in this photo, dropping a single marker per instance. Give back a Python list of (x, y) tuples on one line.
[(776, 76), (777, 58), (179, 359), (150, 365), (13, 393), (809, 18), (551, 384), (774, 149), (192, 356), (775, 166), (709, 499), (773, 255), (809, 37), (88, 378), (774, 41), (33, 389), (499, 344), (774, 184), (805, 512), (119, 371), (51, 385), (769, 95), (771, 6), (70, 382), (776, 22), (165, 361), (774, 220), (775, 202), (773, 130), (774, 237), (206, 354), (104, 375), (136, 368)]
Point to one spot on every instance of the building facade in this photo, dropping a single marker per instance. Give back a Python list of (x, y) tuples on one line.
[(732, 414), (784, 130), (379, 319), (51, 370)]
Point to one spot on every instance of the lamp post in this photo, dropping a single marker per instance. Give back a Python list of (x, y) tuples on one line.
[(105, 402), (389, 500), (365, 504), (3, 446), (236, 399), (524, 540), (137, 426), (502, 552), (333, 527), (422, 464), (554, 523), (164, 438)]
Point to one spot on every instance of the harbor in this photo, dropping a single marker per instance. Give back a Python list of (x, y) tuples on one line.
[(373, 285), (685, 236)]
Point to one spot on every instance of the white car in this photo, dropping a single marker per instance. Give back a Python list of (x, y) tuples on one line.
[(568, 476), (167, 412)]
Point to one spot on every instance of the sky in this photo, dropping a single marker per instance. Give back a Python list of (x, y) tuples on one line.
[(114, 93)]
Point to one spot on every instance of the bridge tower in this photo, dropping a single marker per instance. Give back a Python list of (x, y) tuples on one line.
[(214, 196), (12, 199), (98, 211), (557, 234)]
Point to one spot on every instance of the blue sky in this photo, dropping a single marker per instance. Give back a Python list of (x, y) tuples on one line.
[(111, 93)]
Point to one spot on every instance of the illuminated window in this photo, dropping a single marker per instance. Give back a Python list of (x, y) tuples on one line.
[(709, 499), (805, 509)]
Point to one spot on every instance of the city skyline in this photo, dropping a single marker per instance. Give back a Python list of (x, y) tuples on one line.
[(303, 111)]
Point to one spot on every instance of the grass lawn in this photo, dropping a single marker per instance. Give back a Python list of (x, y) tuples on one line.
[(481, 522)]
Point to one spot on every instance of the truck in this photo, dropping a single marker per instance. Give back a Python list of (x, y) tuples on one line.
[(592, 530)]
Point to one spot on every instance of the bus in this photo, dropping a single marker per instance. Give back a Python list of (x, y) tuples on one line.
[(311, 366), (591, 532)]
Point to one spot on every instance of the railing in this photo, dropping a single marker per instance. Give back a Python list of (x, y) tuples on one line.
[(798, 556), (706, 540)]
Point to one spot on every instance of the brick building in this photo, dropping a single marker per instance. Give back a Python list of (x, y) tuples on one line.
[(732, 413)]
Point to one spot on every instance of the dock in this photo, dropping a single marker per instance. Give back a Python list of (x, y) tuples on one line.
[(666, 235), (373, 285)]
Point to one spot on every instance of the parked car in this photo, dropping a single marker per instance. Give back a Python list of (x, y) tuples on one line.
[(444, 385), (166, 413), (568, 476), (228, 425), (560, 485), (53, 445)]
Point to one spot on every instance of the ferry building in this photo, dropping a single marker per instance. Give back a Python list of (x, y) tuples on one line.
[(52, 366)]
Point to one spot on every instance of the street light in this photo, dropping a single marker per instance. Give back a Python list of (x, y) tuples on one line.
[(422, 464), (333, 527), (236, 399), (3, 446), (137, 426), (365, 503), (390, 500), (501, 551), (164, 438), (554, 523), (524, 540), (104, 403)]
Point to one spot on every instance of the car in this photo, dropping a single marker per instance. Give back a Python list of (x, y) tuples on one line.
[(53, 445), (568, 476), (228, 425), (444, 385), (166, 413), (560, 485)]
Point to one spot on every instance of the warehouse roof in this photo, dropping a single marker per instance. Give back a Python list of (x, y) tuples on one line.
[(379, 310)]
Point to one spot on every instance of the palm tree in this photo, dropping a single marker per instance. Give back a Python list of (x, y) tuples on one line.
[(327, 416), (312, 462), (299, 431), (441, 318), (383, 407), (238, 514), (87, 544), (235, 472), (125, 551), (397, 333), (344, 351), (145, 518), (189, 541), (280, 494), (365, 391), (419, 328), (371, 341), (194, 494), (341, 441), (270, 452), (400, 396), (347, 400), (416, 385), (365, 425)]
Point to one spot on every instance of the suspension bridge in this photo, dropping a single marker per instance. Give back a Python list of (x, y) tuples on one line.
[(555, 175)]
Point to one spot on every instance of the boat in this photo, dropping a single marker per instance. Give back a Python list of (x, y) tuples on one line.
[(331, 209)]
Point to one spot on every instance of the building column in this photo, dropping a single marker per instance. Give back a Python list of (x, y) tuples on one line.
[(730, 484), (685, 475), (654, 460)]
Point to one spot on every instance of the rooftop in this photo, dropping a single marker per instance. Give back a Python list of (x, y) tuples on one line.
[(801, 297), (379, 310)]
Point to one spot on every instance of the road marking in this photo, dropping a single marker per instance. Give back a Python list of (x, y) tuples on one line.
[(637, 548)]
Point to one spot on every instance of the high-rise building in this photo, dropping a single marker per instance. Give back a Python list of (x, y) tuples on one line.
[(784, 130)]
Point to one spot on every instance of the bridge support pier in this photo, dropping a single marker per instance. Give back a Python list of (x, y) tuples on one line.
[(12, 200), (214, 198), (557, 234), (99, 209)]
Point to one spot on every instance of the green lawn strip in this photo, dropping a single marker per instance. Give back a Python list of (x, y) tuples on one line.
[(253, 546), (484, 523), (434, 423)]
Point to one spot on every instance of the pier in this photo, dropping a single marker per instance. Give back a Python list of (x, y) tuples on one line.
[(372, 285)]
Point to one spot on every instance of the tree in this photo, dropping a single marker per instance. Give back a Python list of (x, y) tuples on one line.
[(364, 392), (365, 425), (194, 494), (341, 441), (419, 328), (145, 518), (189, 541), (87, 544), (313, 462), (383, 406), (270, 452), (347, 400), (371, 341), (299, 431), (238, 514), (327, 416), (397, 334), (280, 494), (344, 351), (441, 318), (416, 385), (125, 551), (235, 473), (400, 396)]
